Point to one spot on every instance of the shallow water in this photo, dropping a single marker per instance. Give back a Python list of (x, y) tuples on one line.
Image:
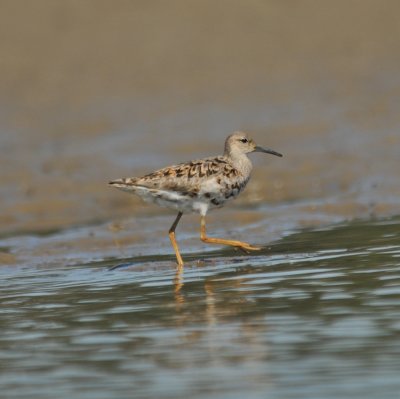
[(316, 315)]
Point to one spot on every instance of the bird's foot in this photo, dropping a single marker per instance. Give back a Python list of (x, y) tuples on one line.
[(247, 248)]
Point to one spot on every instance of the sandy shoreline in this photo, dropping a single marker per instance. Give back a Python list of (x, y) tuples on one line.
[(90, 93)]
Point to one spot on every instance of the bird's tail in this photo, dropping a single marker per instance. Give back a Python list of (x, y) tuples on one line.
[(126, 184)]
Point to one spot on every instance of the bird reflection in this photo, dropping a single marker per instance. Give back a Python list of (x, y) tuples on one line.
[(178, 284)]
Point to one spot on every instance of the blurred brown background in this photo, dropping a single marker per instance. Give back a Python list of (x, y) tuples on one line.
[(92, 90)]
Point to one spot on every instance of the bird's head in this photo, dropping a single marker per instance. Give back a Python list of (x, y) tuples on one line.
[(240, 142)]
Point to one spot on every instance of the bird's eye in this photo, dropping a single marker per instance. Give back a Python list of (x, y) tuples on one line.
[(244, 140)]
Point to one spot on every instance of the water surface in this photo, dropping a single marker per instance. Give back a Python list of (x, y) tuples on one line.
[(316, 315)]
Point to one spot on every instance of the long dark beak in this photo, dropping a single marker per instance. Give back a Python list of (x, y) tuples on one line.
[(268, 151)]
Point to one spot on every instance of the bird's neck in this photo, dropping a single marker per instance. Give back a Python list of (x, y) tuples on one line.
[(241, 162)]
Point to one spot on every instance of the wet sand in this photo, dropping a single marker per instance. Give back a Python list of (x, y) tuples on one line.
[(91, 91)]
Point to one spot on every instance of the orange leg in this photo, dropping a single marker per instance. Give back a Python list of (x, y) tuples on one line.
[(238, 244), (171, 234)]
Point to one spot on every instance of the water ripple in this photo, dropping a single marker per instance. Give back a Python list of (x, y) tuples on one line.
[(313, 312)]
